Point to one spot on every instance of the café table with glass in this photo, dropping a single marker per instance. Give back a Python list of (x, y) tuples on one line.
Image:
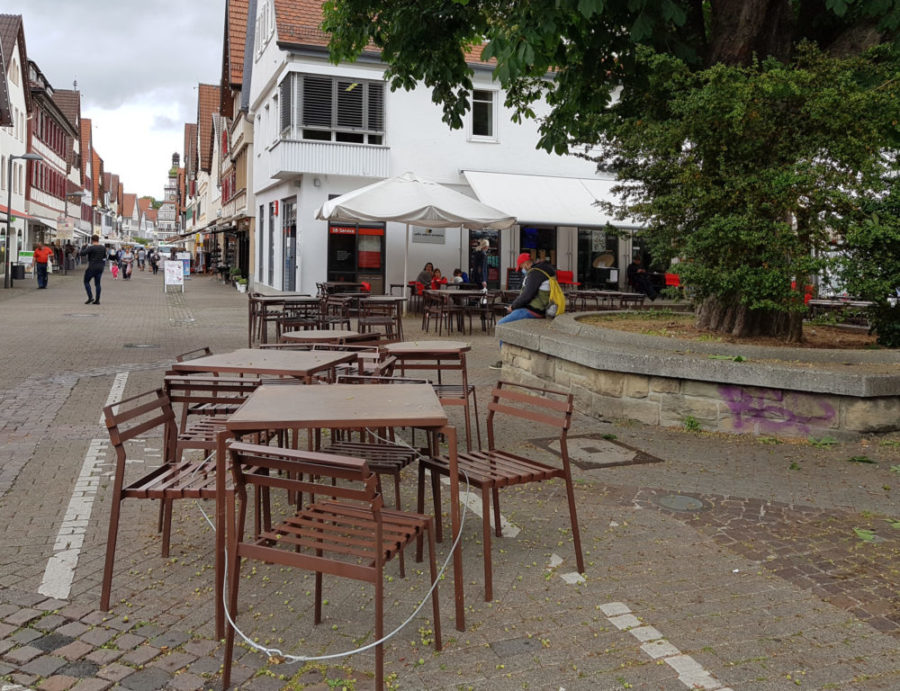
[(350, 406)]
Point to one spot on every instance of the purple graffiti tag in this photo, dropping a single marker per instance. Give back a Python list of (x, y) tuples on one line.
[(769, 410)]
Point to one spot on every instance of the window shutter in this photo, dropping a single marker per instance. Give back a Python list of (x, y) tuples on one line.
[(285, 101), (316, 101), (376, 107), (350, 104)]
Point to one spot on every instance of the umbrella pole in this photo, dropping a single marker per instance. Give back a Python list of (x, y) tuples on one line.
[(405, 268)]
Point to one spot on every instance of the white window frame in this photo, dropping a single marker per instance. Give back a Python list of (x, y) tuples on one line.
[(494, 115)]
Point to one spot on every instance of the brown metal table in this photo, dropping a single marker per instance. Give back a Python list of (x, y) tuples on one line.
[(339, 336), (349, 406), (258, 311), (280, 363)]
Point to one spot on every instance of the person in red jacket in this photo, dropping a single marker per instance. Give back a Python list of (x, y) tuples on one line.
[(42, 255)]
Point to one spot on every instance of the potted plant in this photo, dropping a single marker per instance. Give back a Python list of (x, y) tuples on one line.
[(234, 274), (241, 284)]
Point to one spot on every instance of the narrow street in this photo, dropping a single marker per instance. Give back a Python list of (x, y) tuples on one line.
[(712, 561)]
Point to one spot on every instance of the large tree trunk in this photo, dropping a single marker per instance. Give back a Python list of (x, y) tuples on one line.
[(737, 320), (742, 28)]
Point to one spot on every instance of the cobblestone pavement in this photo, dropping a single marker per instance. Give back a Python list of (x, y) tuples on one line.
[(713, 562)]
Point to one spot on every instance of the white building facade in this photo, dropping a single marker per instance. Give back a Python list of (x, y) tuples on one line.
[(321, 130)]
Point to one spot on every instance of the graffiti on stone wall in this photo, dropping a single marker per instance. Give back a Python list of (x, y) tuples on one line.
[(775, 411)]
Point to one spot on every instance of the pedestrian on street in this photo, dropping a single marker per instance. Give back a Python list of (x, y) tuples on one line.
[(95, 254), (127, 264), (42, 255), (154, 261), (534, 298), (141, 258)]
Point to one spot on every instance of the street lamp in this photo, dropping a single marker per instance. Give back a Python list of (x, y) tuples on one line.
[(30, 156)]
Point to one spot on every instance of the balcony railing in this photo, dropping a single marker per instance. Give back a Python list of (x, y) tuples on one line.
[(290, 158)]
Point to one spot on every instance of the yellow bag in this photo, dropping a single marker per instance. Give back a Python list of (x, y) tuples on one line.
[(557, 304)]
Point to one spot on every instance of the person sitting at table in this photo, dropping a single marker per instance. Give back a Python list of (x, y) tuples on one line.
[(426, 274), (638, 279), (459, 276), (437, 280)]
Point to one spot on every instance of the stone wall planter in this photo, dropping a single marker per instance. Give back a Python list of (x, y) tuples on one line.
[(790, 392)]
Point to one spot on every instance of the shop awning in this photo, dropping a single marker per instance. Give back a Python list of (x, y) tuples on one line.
[(546, 200), (16, 214), (49, 222)]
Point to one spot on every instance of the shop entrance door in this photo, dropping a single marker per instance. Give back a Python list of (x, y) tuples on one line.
[(484, 258), (356, 254), (289, 230)]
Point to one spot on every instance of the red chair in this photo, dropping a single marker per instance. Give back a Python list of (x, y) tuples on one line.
[(566, 278)]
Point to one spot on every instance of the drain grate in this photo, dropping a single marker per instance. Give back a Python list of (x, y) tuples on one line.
[(140, 345), (680, 502), (593, 451)]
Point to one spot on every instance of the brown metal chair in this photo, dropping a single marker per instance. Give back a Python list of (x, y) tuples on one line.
[(135, 418), (494, 468), (377, 447), (381, 315), (441, 362), (345, 532), (335, 313)]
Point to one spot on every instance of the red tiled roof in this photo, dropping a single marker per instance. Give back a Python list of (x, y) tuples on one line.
[(207, 106), (128, 202), (144, 204), (298, 22), (190, 148), (11, 30), (235, 37), (69, 102), (86, 154), (12, 33), (97, 166), (151, 215)]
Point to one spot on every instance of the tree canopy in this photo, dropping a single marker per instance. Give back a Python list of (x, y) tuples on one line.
[(747, 133)]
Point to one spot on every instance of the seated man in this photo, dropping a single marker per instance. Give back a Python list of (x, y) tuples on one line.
[(639, 280)]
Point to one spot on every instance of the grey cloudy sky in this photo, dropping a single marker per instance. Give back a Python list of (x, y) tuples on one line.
[(137, 64)]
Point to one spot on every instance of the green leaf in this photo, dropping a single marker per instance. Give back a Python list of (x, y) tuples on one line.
[(861, 459), (894, 523), (839, 7), (588, 8), (895, 468), (865, 534)]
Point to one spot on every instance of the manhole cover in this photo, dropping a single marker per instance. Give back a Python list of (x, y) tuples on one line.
[(81, 315), (594, 451), (140, 345), (679, 502)]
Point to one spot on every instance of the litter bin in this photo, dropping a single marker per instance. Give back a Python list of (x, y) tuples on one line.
[(18, 272)]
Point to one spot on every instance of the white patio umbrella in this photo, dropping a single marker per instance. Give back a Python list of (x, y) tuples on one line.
[(416, 201)]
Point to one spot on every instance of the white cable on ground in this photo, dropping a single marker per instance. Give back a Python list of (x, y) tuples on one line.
[(277, 653)]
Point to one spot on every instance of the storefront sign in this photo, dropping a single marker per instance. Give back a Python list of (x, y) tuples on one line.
[(431, 236), (342, 230), (174, 273)]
